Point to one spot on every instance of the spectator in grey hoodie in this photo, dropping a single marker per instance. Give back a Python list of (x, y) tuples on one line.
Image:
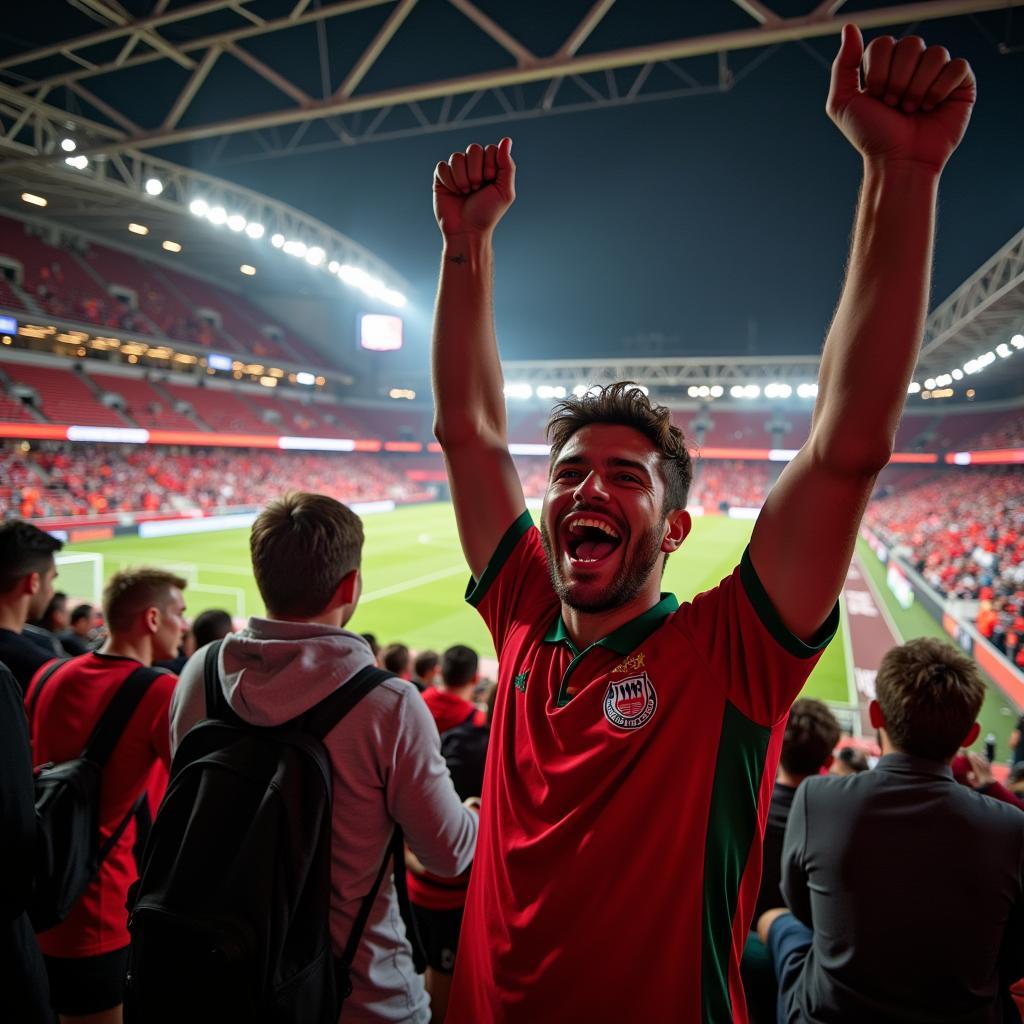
[(388, 768)]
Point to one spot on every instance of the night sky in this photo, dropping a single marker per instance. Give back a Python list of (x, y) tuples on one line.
[(716, 223)]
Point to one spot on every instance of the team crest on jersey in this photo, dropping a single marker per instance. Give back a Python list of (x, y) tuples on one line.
[(630, 703)]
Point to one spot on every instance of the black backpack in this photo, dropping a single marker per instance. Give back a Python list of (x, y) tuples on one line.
[(69, 854), (229, 919), (464, 749)]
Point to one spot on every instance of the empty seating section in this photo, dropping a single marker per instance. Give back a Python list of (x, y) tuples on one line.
[(254, 319), (223, 411), (9, 298), (146, 406), (397, 422), (243, 329), (977, 430), (64, 396), (728, 429), (58, 282), (12, 410), (302, 419), (526, 426)]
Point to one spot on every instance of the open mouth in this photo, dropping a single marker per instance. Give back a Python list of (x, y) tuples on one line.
[(589, 539)]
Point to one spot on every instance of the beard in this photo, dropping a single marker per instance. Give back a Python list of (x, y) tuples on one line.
[(636, 570)]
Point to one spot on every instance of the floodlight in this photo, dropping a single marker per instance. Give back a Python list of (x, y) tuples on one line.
[(68, 145), (217, 215), (154, 186), (254, 230), (199, 207)]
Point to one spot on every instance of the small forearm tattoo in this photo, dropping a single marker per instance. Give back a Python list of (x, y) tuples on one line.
[(457, 258)]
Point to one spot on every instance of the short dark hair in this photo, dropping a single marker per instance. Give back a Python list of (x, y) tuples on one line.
[(459, 665), (854, 759), (371, 639), (59, 598), (812, 733), (213, 624), (624, 404), (130, 592), (81, 611), (395, 658), (24, 549), (426, 663), (930, 694), (303, 545)]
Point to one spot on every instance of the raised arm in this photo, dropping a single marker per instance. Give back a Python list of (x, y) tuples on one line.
[(905, 122), (472, 191)]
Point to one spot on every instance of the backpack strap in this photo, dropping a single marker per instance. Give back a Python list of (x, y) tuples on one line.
[(323, 717), (468, 720), (44, 677), (217, 705), (118, 713)]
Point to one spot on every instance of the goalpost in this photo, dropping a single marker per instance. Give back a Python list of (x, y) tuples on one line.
[(82, 576)]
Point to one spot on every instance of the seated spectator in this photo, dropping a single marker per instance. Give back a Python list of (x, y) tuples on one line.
[(893, 868), (371, 639), (78, 637), (86, 953), (849, 761), (212, 624), (438, 903), (306, 552), (55, 618), (811, 735), (396, 658), (27, 572), (425, 670)]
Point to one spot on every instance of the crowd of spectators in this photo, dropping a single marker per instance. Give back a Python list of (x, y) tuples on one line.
[(730, 483), (68, 480)]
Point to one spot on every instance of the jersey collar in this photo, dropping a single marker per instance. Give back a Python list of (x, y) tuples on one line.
[(628, 636)]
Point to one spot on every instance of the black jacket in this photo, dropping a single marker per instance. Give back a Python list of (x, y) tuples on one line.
[(914, 888)]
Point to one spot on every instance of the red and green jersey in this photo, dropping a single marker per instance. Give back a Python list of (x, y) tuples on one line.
[(624, 801)]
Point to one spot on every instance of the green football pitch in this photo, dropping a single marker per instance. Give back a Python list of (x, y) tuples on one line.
[(414, 578)]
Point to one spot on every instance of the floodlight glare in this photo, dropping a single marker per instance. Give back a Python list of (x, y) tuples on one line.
[(79, 162), (277, 240), (154, 186), (1004, 350), (333, 266), (217, 215), (295, 248), (68, 145), (930, 383), (1017, 341), (737, 391), (198, 207), (957, 374), (236, 222), (914, 388), (315, 256), (717, 391), (254, 230)]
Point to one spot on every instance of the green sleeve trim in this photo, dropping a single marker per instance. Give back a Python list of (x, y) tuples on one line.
[(477, 589), (771, 620)]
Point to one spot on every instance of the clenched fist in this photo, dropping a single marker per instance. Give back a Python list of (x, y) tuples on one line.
[(472, 190), (914, 104)]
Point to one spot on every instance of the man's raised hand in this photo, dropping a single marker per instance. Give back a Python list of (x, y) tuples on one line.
[(472, 190), (914, 104)]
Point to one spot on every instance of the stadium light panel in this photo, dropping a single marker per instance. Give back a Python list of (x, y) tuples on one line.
[(957, 374), (737, 391), (68, 145), (295, 248), (138, 229), (914, 388), (752, 391), (254, 230), (1004, 350), (305, 378), (170, 246), (315, 256), (217, 215), (520, 391), (248, 269), (277, 240), (199, 207), (268, 382), (717, 391), (692, 391), (32, 199), (334, 266), (930, 383), (1017, 341), (79, 162), (154, 186), (236, 222)]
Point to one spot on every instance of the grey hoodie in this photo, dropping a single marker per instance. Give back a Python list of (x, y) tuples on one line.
[(387, 768)]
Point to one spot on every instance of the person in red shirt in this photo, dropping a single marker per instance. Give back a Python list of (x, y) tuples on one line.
[(437, 902), (144, 609), (635, 741)]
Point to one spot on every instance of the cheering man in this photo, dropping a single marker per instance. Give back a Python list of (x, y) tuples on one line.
[(635, 741)]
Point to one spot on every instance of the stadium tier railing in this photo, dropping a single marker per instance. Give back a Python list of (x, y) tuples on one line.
[(908, 587)]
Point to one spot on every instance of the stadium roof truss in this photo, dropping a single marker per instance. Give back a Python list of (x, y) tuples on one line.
[(47, 88)]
